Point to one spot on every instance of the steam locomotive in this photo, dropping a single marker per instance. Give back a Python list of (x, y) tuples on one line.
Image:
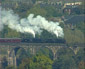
[(33, 40)]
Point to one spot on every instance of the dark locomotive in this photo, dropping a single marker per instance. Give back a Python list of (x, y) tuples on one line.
[(33, 40)]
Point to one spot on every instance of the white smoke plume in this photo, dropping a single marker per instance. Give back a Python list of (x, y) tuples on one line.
[(31, 24), (1, 25)]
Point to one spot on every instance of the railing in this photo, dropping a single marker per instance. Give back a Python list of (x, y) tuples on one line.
[(44, 44)]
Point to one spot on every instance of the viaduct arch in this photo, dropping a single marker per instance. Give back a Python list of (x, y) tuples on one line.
[(13, 48)]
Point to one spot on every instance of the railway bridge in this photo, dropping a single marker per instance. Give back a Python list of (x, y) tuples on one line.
[(12, 48)]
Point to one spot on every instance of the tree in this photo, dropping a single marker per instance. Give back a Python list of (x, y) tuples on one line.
[(64, 62), (9, 33), (37, 62), (25, 64), (20, 55), (12, 33), (73, 36), (37, 10), (82, 65), (46, 52), (52, 11), (80, 56), (65, 51), (65, 59), (81, 26), (45, 34), (34, 1), (10, 67), (41, 62), (82, 7), (4, 63), (22, 8)]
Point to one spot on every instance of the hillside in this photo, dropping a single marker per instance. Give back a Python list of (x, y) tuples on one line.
[(66, 0)]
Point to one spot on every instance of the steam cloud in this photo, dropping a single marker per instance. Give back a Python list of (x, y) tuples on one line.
[(31, 24), (1, 25)]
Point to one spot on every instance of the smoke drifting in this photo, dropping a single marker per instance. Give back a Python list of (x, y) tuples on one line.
[(31, 24), (1, 25)]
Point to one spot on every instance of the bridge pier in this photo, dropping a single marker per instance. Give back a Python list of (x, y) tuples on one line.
[(54, 50), (33, 50), (0, 62), (11, 58), (75, 50), (11, 53)]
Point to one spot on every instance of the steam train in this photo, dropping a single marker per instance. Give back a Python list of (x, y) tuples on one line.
[(33, 40)]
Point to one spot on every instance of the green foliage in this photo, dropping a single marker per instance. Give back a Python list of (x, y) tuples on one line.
[(73, 36), (12, 34), (64, 62), (46, 11), (80, 55), (21, 52), (4, 63), (20, 55), (81, 26), (43, 0), (9, 33), (52, 11), (29, 54), (82, 65), (46, 52), (26, 35), (21, 8), (37, 62), (10, 67), (45, 34), (65, 51), (41, 62), (37, 10), (25, 64), (34, 1), (65, 59), (82, 8), (81, 58), (2, 0)]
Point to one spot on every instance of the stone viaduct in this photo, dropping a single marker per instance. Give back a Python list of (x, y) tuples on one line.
[(33, 47)]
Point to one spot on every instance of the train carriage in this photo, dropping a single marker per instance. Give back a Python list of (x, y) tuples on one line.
[(10, 40), (33, 40)]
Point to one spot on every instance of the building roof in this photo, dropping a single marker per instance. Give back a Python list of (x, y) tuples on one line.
[(75, 19)]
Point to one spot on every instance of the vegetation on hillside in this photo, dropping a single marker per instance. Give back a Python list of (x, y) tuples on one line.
[(44, 58)]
